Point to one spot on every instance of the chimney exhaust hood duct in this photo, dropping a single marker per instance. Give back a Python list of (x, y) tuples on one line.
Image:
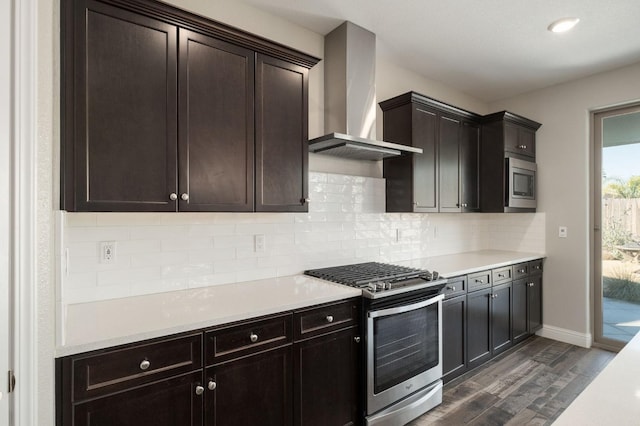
[(350, 98)]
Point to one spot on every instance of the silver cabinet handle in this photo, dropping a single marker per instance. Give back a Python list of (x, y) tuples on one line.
[(185, 197), (145, 364), (356, 339), (212, 385), (465, 205), (329, 318), (494, 296), (480, 281), (501, 275), (304, 200), (451, 287), (531, 284), (253, 337), (199, 390), (522, 146), (521, 271), (173, 196)]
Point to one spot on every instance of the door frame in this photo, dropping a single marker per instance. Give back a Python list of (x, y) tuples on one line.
[(6, 142), (595, 255)]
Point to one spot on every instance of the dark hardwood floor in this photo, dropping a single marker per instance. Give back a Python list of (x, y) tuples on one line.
[(529, 385)]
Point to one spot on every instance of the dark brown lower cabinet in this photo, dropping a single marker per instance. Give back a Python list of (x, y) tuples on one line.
[(326, 380), (254, 390), (535, 302), (251, 372), (478, 327), (500, 318), (520, 321), (165, 403), (454, 328)]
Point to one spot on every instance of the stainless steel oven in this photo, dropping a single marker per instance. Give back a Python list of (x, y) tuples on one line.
[(520, 184), (403, 358), (402, 322)]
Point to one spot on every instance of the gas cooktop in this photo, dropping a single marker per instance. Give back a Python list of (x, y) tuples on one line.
[(379, 279)]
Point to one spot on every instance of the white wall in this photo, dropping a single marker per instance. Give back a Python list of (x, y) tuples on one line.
[(564, 150)]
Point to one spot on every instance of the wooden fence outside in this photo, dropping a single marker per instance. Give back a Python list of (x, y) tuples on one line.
[(624, 210)]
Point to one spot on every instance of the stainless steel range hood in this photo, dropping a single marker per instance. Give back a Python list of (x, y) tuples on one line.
[(350, 98)]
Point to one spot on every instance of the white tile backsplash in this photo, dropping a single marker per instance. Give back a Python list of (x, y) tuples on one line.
[(346, 223)]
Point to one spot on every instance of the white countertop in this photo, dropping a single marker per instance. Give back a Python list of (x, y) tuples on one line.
[(613, 397), (452, 265), (102, 324), (98, 325)]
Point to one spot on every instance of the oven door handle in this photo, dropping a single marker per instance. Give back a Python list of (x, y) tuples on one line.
[(405, 308)]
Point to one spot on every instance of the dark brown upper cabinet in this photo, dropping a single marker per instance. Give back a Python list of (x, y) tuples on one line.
[(163, 110), (281, 123), (445, 177), (216, 133), (504, 134)]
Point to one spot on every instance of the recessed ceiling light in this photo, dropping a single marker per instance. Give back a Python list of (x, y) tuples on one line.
[(563, 25)]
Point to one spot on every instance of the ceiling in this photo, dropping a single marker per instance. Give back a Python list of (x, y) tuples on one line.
[(490, 49)]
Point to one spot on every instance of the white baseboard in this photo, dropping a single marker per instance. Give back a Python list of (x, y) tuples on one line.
[(566, 336)]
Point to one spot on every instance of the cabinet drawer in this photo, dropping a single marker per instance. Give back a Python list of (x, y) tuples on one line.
[(520, 270), (247, 338), (455, 287), (121, 368), (325, 318), (501, 275), (479, 280), (535, 267)]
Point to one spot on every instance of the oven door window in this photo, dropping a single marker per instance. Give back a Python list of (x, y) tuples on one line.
[(405, 344), (523, 184)]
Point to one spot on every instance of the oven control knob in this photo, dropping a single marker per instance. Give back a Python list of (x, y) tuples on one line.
[(435, 275), (372, 287), (380, 286), (387, 286)]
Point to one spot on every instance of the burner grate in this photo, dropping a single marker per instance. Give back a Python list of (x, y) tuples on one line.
[(361, 274)]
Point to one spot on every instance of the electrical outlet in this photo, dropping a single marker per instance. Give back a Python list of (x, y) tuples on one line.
[(107, 251), (259, 243), (562, 232)]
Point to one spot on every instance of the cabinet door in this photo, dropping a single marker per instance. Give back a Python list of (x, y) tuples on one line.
[(281, 136), (216, 125), (535, 303), (449, 164), (454, 316), (425, 166), (166, 403), (120, 117), (254, 390), (520, 321), (470, 167), (519, 140), (501, 318), (478, 327), (326, 379)]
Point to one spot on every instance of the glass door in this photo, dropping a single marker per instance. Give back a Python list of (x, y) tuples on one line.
[(616, 184)]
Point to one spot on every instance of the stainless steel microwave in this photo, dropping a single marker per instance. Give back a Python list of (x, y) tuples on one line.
[(520, 182)]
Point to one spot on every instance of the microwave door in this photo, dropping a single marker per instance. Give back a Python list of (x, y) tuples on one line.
[(521, 184)]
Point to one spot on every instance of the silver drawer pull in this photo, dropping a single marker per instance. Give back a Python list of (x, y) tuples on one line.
[(521, 271), (522, 146), (479, 281), (451, 287), (501, 275), (212, 385), (356, 339), (145, 364), (199, 390), (329, 318), (253, 337), (531, 284)]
